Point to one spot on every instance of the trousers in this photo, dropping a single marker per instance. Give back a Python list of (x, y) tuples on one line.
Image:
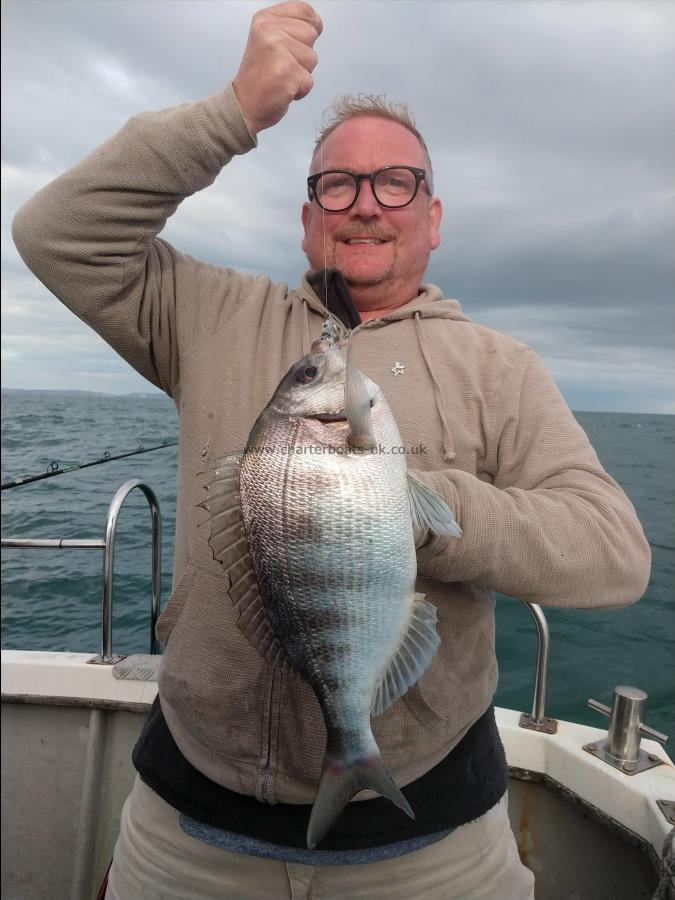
[(155, 859)]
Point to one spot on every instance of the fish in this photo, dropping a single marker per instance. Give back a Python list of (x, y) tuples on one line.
[(314, 523)]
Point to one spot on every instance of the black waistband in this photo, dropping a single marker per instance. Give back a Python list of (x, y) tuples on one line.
[(463, 786)]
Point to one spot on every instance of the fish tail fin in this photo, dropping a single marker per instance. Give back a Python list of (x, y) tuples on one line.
[(339, 784)]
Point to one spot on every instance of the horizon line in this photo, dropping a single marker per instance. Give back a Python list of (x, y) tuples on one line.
[(159, 393)]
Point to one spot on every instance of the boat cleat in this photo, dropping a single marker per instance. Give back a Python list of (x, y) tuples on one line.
[(621, 748)]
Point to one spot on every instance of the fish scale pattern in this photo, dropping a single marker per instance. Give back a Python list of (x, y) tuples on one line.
[(333, 551)]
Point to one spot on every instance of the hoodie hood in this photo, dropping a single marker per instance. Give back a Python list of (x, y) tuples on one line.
[(428, 304), (429, 301)]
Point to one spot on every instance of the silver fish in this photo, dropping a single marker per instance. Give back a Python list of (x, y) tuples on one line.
[(323, 571)]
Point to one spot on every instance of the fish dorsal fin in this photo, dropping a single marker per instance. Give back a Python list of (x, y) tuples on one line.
[(412, 657), (429, 510), (230, 547)]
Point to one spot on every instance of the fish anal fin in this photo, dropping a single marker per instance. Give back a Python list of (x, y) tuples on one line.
[(411, 659)]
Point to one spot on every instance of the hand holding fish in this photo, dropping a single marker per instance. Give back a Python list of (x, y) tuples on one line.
[(277, 63)]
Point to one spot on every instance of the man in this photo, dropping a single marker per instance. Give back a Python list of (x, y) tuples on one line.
[(230, 756)]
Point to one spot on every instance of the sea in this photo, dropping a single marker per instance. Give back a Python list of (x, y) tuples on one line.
[(51, 598)]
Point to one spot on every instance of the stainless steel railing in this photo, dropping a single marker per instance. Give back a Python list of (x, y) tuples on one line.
[(107, 544), (537, 720), (621, 748)]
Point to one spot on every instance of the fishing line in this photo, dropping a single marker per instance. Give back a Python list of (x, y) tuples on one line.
[(54, 469), (323, 224), (323, 228)]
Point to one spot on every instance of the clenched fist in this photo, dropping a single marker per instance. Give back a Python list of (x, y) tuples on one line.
[(277, 63)]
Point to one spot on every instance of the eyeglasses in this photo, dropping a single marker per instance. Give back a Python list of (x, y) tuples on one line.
[(392, 186)]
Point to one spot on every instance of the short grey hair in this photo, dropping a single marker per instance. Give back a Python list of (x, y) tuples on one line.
[(349, 106)]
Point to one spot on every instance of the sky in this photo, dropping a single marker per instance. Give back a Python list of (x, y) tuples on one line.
[(550, 127)]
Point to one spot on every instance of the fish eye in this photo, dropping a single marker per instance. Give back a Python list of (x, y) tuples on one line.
[(307, 374)]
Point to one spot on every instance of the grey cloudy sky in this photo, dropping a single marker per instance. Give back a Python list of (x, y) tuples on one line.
[(550, 125)]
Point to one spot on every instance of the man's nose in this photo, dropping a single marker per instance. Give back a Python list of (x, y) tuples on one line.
[(365, 205)]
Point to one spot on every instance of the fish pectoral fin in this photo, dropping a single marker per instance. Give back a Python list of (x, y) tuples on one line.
[(230, 547), (412, 658), (429, 510)]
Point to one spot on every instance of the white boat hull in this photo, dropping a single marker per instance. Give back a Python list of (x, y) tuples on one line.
[(584, 828)]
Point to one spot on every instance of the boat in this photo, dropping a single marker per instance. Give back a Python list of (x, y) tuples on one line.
[(593, 809)]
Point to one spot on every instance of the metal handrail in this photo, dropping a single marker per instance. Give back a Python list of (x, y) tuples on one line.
[(107, 544), (106, 655), (50, 544), (537, 721)]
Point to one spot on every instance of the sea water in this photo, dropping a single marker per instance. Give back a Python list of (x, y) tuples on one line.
[(51, 598)]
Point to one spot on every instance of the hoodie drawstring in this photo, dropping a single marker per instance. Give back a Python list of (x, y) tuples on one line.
[(441, 404), (306, 337)]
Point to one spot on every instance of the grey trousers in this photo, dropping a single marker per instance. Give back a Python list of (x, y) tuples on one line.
[(155, 860)]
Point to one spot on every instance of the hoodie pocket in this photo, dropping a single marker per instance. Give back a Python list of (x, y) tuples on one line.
[(456, 688), (424, 711), (213, 684)]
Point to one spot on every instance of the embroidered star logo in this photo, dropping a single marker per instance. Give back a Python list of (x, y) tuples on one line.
[(398, 368)]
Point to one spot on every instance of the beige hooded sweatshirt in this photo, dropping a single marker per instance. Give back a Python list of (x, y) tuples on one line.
[(541, 520)]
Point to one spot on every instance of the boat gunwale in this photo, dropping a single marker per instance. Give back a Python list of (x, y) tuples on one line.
[(559, 760), (515, 772)]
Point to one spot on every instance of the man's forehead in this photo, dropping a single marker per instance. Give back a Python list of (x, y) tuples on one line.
[(365, 142)]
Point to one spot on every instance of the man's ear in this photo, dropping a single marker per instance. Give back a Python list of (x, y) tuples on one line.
[(304, 215), (435, 216)]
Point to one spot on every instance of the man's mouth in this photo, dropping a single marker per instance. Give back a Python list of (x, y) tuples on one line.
[(357, 240)]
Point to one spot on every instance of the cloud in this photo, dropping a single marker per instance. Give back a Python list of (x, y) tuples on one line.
[(549, 124), (597, 362)]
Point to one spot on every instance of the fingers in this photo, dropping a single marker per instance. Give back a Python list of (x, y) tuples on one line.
[(305, 85), (269, 31), (296, 9), (277, 63), (296, 30), (304, 55), (296, 37)]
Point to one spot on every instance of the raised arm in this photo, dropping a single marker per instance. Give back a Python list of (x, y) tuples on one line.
[(553, 527), (91, 235)]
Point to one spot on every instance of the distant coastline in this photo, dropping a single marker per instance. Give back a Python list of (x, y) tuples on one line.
[(71, 392)]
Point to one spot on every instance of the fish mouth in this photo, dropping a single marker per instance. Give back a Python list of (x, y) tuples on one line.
[(340, 416), (329, 417)]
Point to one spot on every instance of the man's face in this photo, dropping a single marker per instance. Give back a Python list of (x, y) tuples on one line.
[(381, 252)]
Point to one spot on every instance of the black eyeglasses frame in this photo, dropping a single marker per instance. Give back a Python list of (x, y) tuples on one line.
[(420, 176)]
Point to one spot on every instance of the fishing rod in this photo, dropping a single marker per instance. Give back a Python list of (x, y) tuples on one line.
[(54, 469)]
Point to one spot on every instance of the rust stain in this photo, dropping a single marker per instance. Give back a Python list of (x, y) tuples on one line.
[(524, 835)]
